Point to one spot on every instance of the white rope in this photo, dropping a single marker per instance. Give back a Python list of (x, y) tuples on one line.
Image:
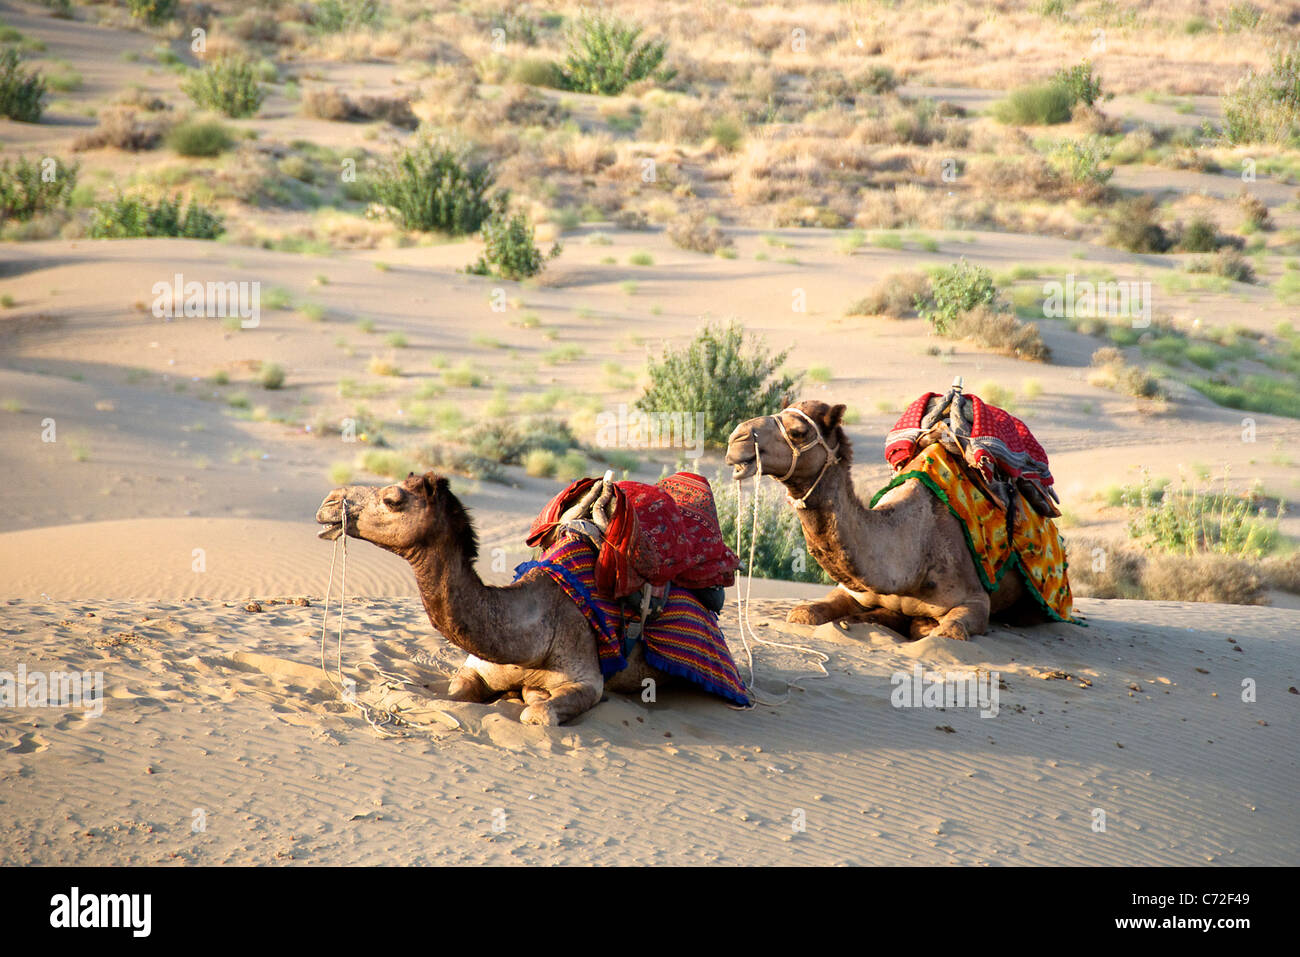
[(744, 604), (382, 722)]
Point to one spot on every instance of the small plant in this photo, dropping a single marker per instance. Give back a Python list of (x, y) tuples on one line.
[(21, 91), (228, 85), (434, 186), (1080, 162), (28, 188), (1265, 107), (604, 56), (152, 12), (1228, 263), (1081, 84), (1200, 236), (132, 218), (509, 250), (344, 16), (717, 376), (271, 376), (1189, 520), (955, 289), (199, 138), (1041, 105), (1135, 226), (697, 233), (780, 551), (895, 296)]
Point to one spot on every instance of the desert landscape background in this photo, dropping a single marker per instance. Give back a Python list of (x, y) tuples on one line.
[(819, 173)]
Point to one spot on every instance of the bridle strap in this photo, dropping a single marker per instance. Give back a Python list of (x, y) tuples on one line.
[(832, 454)]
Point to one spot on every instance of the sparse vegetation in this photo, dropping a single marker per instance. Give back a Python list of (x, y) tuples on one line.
[(129, 217), (228, 85), (509, 250), (28, 188), (436, 186), (605, 56), (21, 91)]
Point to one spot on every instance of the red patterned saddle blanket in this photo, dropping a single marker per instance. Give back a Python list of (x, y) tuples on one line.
[(657, 533)]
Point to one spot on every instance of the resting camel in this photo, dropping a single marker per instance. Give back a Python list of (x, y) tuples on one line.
[(903, 564), (528, 636)]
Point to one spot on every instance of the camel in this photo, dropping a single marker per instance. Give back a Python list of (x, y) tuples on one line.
[(528, 636), (903, 564)]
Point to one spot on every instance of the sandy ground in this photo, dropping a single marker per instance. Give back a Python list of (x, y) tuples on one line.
[(146, 501), (220, 742)]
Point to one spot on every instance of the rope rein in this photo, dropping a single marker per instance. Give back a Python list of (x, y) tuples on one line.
[(744, 604)]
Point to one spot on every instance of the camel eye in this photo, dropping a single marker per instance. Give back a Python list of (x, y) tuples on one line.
[(394, 498)]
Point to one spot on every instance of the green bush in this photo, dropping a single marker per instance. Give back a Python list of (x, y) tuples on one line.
[(956, 289), (509, 250), (21, 91), (604, 56), (434, 186), (28, 188), (133, 218), (1039, 105), (1265, 107), (1190, 520), (1228, 263), (780, 552), (1082, 85), (152, 12), (271, 376), (1080, 161), (1200, 236), (714, 375), (228, 85), (338, 16), (199, 138)]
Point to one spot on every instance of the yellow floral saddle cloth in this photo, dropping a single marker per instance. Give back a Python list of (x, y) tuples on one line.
[(1032, 544)]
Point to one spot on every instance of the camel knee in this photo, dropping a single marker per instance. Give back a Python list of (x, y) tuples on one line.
[(468, 685)]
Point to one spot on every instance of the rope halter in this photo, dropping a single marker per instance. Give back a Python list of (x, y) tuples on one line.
[(832, 454)]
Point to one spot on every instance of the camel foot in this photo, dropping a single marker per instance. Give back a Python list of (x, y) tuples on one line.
[(540, 713), (953, 629), (811, 613), (468, 685)]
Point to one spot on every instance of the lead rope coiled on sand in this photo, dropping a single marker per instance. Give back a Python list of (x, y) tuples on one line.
[(744, 602), (382, 722)]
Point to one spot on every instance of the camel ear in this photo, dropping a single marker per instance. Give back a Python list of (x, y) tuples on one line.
[(832, 417), (432, 483)]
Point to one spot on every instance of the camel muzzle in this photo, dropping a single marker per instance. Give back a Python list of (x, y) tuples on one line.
[(330, 514)]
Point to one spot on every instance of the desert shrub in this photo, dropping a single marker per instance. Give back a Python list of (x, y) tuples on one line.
[(1188, 519), (434, 186), (509, 441), (697, 233), (326, 104), (895, 296), (332, 104), (1200, 236), (1111, 570), (780, 551), (715, 374), (28, 188), (1081, 84), (1110, 371), (123, 128), (199, 138), (1254, 209), (21, 91), (996, 329), (228, 85), (537, 71), (605, 57), (271, 376), (152, 12), (1080, 161), (1282, 572), (1042, 104), (1265, 107), (878, 79), (1228, 263), (132, 218), (509, 250), (339, 16), (1135, 226), (955, 289)]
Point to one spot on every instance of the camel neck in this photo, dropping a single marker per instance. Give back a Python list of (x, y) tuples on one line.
[(478, 618), (848, 539)]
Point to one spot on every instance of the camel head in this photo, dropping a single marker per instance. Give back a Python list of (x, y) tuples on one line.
[(777, 450), (418, 513)]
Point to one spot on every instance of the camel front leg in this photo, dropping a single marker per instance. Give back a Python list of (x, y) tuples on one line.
[(962, 621), (838, 604), (551, 706)]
